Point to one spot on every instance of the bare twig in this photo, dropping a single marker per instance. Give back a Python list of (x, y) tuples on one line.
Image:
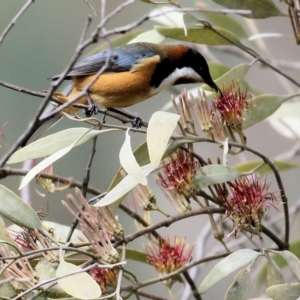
[(15, 19)]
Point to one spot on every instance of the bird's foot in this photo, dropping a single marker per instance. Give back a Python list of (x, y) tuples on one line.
[(92, 109), (137, 122)]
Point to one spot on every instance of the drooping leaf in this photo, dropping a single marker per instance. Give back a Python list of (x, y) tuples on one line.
[(262, 107), (160, 128), (260, 9), (198, 35), (80, 285), (129, 163), (280, 261), (292, 261), (284, 291), (122, 188), (227, 266), (274, 276), (239, 288), (16, 210), (55, 142), (214, 174), (280, 164)]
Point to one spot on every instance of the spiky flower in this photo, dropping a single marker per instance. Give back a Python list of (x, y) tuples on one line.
[(178, 173), (167, 258), (106, 278), (247, 202), (231, 104)]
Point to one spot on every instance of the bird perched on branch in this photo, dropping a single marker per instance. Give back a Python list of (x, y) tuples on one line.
[(134, 73), (131, 74)]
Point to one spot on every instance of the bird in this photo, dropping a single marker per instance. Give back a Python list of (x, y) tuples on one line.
[(130, 74), (134, 73)]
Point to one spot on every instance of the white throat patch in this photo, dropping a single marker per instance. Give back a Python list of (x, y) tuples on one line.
[(185, 72)]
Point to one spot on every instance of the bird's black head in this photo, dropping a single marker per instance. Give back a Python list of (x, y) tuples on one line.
[(197, 62), (179, 65)]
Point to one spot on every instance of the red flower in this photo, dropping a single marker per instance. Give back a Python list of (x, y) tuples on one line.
[(167, 258)]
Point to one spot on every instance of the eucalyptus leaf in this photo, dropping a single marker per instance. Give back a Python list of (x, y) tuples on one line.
[(46, 270), (281, 165), (136, 255), (292, 261), (129, 163), (55, 142), (274, 276), (16, 210), (7, 291), (287, 110), (214, 174), (236, 74), (199, 35), (260, 9), (160, 129), (262, 107), (227, 266), (284, 291), (80, 285), (239, 288), (232, 23)]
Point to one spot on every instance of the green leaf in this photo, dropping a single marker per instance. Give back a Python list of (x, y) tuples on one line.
[(262, 107), (46, 270), (239, 288), (214, 174), (284, 291), (280, 261), (281, 165), (274, 276), (16, 210), (227, 266), (80, 285), (198, 35), (232, 24), (287, 110), (6, 289), (260, 9), (55, 142), (136, 255), (292, 261), (233, 75), (217, 70)]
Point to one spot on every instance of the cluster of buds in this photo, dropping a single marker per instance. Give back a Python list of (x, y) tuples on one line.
[(99, 225), (19, 273), (167, 258), (220, 120), (246, 203), (176, 178)]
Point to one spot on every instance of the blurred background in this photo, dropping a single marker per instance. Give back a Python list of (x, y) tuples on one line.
[(42, 43)]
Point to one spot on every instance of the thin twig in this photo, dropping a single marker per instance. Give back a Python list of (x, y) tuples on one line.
[(14, 20)]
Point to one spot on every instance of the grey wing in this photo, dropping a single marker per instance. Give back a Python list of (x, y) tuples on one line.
[(119, 59)]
